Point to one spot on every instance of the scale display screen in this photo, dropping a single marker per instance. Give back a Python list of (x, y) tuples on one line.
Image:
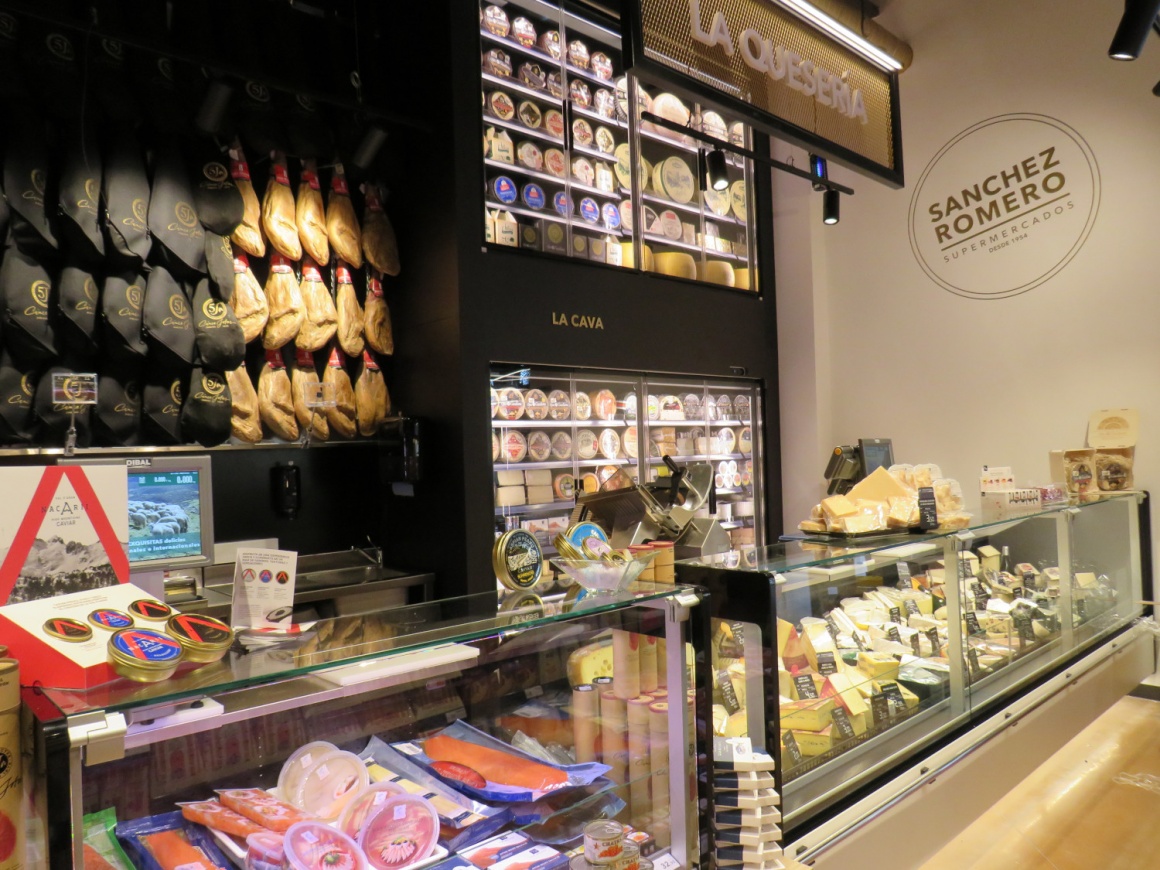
[(164, 515)]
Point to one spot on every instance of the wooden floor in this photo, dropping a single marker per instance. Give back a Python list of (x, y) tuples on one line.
[(1094, 804)]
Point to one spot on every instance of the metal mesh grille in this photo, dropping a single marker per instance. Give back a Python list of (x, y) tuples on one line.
[(667, 40)]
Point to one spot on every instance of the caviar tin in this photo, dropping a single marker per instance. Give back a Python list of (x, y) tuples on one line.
[(203, 638), (64, 628), (144, 655), (518, 560), (150, 608), (113, 620), (603, 841)]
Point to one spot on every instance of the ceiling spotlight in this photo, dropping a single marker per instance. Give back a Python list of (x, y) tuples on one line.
[(819, 171), (831, 203), (1135, 25), (715, 172)]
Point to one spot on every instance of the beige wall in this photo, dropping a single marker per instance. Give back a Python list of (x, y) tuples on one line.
[(871, 346)]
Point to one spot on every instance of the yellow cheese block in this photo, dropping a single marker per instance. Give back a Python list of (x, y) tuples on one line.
[(738, 724), (812, 743), (785, 631), (848, 695), (811, 715), (628, 256), (590, 662), (784, 681), (716, 272), (877, 665), (720, 719), (837, 506), (990, 558), (879, 485), (816, 642), (741, 279), (675, 264)]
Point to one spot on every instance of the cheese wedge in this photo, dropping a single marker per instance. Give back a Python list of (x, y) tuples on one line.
[(877, 665), (841, 687), (838, 506), (879, 485), (807, 715), (812, 743)]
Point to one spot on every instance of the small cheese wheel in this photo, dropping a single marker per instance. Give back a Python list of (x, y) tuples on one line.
[(630, 446), (501, 105), (555, 162), (717, 201), (590, 482), (737, 199), (554, 123), (514, 446), (536, 404), (673, 178), (716, 272), (581, 406), (676, 264), (604, 405), (494, 446), (530, 114), (559, 405), (539, 446), (561, 446), (564, 486), (712, 124), (745, 440), (511, 404), (609, 444), (727, 440), (628, 256), (586, 444)]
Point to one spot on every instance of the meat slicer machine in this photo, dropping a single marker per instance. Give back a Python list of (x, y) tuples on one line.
[(663, 510)]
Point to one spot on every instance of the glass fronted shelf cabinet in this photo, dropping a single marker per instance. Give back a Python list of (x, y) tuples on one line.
[(875, 648), (422, 732), (567, 154)]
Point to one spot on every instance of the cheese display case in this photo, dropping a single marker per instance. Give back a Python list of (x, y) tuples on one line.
[(557, 433), (458, 731), (566, 153), (876, 648)]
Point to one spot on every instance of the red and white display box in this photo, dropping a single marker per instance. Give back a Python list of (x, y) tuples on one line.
[(54, 663)]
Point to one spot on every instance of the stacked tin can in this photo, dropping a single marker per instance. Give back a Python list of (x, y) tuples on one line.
[(607, 847)]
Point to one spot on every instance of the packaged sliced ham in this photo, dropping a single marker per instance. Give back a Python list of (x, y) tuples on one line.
[(310, 215), (248, 234), (276, 399), (341, 225), (245, 422), (262, 807), (248, 299), (278, 212), (284, 298), (350, 313), (377, 318), (371, 400), (342, 417), (378, 236), (321, 319), (303, 381)]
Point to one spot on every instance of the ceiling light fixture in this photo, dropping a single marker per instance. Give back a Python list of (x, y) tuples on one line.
[(1135, 25), (716, 174), (831, 206), (842, 33)]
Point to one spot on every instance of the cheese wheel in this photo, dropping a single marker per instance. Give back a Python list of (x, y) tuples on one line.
[(494, 446), (529, 114), (550, 43), (590, 482), (692, 403), (582, 171), (737, 199), (554, 123), (628, 256), (578, 54), (511, 404), (494, 402), (581, 406), (524, 32), (653, 408), (671, 108), (673, 178), (501, 105), (724, 408), (530, 155), (717, 201), (580, 94), (496, 21), (630, 445), (742, 408), (671, 408), (726, 441), (741, 279), (604, 405), (586, 444), (609, 444), (745, 440), (561, 446), (629, 406), (737, 133), (539, 446), (605, 141), (676, 264), (623, 165), (604, 103), (536, 404), (555, 162), (716, 272), (709, 408), (605, 177), (601, 65), (712, 124), (513, 446), (559, 405), (671, 225), (564, 486), (582, 133)]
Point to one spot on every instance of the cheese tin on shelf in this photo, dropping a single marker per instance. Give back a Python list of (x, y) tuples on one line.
[(561, 446), (582, 134), (504, 189), (580, 93), (563, 204), (144, 655), (532, 196), (556, 163), (529, 114), (559, 405), (589, 210), (601, 65), (524, 32), (203, 638), (518, 560), (611, 215), (550, 43), (501, 105), (578, 54), (530, 155), (554, 123), (496, 21)]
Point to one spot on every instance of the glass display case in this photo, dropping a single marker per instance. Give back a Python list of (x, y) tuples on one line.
[(523, 721), (875, 648), (557, 433), (566, 154)]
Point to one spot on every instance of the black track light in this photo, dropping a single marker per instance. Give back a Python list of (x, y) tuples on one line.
[(831, 204), (1135, 25), (819, 171), (715, 172)]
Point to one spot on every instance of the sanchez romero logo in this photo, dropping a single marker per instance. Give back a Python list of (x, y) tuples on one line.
[(1004, 206)]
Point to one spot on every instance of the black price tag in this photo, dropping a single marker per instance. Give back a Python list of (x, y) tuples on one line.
[(964, 568), (832, 628), (827, 664), (792, 749), (978, 589), (915, 645), (738, 633), (935, 643), (858, 641), (728, 695), (973, 660), (894, 697), (842, 724), (880, 708), (911, 607), (1018, 591), (1029, 579), (973, 626), (927, 508), (1026, 632), (896, 615), (893, 634), (1081, 608), (806, 690)]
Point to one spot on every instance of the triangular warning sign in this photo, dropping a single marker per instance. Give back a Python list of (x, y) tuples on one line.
[(39, 512)]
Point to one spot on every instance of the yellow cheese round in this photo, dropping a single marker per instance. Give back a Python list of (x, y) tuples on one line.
[(673, 178), (628, 260), (717, 201), (737, 199), (716, 272), (676, 264), (741, 279)]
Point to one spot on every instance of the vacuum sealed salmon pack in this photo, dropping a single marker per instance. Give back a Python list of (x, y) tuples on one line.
[(262, 807), (479, 765), (102, 851), (213, 814), (169, 842)]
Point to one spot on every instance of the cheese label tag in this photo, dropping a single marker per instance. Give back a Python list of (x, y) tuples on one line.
[(832, 628), (791, 747), (280, 264), (310, 271), (893, 633), (894, 697), (842, 723), (896, 615), (914, 644), (1026, 632), (826, 664), (911, 607), (977, 588), (728, 695), (903, 573), (927, 508), (342, 273), (973, 661), (935, 643), (806, 690), (972, 619), (880, 708)]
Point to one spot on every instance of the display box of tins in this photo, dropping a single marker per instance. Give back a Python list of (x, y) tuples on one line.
[(571, 168)]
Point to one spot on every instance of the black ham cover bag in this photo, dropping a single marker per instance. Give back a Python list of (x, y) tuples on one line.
[(17, 388), (27, 184), (173, 219), (126, 200), (217, 199), (161, 406), (79, 197), (168, 322), (122, 307), (55, 419), (205, 416), (117, 416), (219, 261), (27, 300), (220, 341), (77, 302)]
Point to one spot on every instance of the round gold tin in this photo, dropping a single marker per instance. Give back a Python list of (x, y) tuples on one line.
[(64, 628), (144, 655), (203, 638)]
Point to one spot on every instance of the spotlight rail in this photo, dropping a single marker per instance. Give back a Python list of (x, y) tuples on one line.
[(658, 121)]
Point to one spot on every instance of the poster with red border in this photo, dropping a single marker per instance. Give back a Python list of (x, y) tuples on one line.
[(62, 529)]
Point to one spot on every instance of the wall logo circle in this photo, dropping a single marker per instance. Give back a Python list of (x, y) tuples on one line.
[(1004, 206)]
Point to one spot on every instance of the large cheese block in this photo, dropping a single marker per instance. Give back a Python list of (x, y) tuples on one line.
[(813, 715), (860, 523), (538, 477), (716, 272), (877, 665), (785, 631), (838, 506), (509, 478), (741, 279), (879, 485), (590, 662), (990, 559), (628, 256), (510, 496), (540, 494), (814, 642), (675, 264), (812, 743), (842, 687)]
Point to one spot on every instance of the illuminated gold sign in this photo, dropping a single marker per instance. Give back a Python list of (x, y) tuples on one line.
[(762, 57)]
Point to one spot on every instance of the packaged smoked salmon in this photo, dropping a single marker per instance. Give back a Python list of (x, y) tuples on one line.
[(262, 807), (169, 842), (214, 814)]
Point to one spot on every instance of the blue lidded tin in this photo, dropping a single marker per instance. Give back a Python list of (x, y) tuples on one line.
[(144, 655), (563, 204), (533, 196), (110, 619), (504, 189), (611, 216), (589, 210)]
